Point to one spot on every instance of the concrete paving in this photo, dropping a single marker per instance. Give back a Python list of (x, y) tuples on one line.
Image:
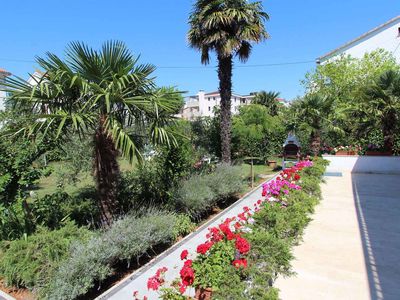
[(171, 258), (351, 248)]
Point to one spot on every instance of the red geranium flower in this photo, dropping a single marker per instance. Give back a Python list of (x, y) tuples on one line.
[(182, 287), (240, 263), (184, 254), (187, 275), (203, 248), (242, 245)]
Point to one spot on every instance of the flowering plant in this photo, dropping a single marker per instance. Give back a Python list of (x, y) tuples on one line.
[(226, 247), (350, 148)]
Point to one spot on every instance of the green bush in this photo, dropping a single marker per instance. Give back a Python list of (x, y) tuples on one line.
[(194, 196), (92, 262), (52, 209), (31, 262), (183, 225), (201, 192), (226, 181)]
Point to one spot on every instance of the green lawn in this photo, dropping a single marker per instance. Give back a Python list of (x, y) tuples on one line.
[(260, 169), (48, 185)]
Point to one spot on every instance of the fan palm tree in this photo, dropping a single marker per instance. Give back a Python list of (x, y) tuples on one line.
[(313, 111), (227, 27), (269, 100), (383, 104), (104, 93)]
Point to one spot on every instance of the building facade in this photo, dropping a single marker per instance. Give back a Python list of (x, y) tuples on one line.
[(385, 36), (3, 75), (204, 104)]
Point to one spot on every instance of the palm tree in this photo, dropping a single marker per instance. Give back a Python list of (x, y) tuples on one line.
[(269, 100), (227, 27), (105, 94), (383, 104), (313, 111)]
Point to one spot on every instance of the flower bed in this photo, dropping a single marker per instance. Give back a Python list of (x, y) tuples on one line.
[(243, 256), (347, 150)]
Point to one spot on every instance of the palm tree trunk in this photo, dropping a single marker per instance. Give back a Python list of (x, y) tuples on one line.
[(388, 130), (315, 142), (106, 173), (225, 90)]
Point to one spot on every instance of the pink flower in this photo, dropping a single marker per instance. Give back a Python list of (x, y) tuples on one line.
[(153, 283)]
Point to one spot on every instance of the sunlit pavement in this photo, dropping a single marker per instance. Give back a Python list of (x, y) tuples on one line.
[(351, 248)]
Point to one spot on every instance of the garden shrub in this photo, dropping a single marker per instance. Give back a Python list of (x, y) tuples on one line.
[(183, 225), (201, 192), (92, 262), (226, 181), (30, 262), (52, 209), (195, 196)]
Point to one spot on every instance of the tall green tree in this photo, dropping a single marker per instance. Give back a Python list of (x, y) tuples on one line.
[(383, 105), (228, 28), (105, 93), (269, 100)]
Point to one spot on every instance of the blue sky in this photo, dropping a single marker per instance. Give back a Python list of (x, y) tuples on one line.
[(300, 31)]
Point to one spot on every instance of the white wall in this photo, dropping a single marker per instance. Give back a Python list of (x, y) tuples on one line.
[(386, 38), (364, 164)]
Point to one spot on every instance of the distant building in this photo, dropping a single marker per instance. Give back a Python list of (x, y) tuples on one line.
[(3, 75), (385, 36), (203, 104)]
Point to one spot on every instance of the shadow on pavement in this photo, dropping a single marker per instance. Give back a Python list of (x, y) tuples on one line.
[(377, 198)]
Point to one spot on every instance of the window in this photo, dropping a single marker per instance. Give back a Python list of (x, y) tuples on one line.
[(209, 108), (398, 32), (214, 98)]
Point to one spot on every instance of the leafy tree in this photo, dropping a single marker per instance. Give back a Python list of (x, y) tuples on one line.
[(383, 105), (227, 27), (344, 80), (269, 100), (256, 133), (105, 93)]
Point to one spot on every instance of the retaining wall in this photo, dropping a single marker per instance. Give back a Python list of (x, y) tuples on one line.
[(364, 164)]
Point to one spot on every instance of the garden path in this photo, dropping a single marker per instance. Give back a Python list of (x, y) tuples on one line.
[(137, 281), (351, 248)]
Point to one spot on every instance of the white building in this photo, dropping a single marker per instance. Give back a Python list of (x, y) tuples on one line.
[(203, 104), (3, 75), (385, 36)]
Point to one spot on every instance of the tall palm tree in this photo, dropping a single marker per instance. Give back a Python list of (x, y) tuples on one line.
[(104, 93), (227, 27), (383, 104), (269, 100)]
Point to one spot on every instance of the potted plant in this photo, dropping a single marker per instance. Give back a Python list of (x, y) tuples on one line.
[(375, 150)]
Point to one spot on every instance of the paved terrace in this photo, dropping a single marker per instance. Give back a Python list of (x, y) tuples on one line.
[(351, 248), (171, 258)]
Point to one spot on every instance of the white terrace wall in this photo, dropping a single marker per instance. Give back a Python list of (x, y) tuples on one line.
[(364, 164)]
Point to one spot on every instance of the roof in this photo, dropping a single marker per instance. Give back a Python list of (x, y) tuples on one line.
[(369, 33), (5, 72), (216, 93)]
